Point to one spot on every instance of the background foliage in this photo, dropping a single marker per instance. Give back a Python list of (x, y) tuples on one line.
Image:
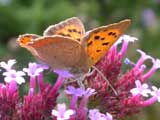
[(34, 16)]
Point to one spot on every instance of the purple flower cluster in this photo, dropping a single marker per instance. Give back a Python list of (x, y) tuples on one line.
[(34, 105), (119, 95)]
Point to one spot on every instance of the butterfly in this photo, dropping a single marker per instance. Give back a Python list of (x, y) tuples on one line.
[(67, 47)]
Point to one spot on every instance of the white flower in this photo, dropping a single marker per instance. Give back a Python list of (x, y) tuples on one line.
[(140, 89), (33, 69), (125, 38), (156, 93), (14, 75), (8, 66), (61, 113)]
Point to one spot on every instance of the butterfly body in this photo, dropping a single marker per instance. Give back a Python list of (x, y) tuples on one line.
[(66, 46)]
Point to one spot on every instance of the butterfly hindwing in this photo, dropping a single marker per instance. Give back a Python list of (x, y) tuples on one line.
[(57, 51), (71, 27), (99, 40)]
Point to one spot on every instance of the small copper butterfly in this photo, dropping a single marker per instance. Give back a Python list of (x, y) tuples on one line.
[(66, 46)]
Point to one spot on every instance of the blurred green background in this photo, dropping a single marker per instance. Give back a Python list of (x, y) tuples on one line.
[(34, 16)]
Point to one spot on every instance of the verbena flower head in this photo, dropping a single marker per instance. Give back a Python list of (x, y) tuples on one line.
[(33, 106), (119, 95), (128, 98)]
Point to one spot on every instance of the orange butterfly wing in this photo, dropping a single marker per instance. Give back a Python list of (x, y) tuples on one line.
[(71, 27), (98, 41), (56, 51)]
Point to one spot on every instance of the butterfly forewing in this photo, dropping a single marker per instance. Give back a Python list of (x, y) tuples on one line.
[(99, 40), (57, 51), (72, 28)]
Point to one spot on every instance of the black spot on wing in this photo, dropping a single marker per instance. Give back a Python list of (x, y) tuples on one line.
[(79, 32), (98, 50), (105, 43), (69, 30), (96, 37), (74, 30), (102, 38), (112, 34), (89, 43)]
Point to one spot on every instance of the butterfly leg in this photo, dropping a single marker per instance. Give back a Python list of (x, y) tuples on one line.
[(79, 81)]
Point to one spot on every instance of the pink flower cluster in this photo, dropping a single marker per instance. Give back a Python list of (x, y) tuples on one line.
[(109, 93), (130, 87), (34, 105)]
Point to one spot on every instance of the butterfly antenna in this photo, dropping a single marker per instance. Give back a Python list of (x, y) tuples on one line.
[(102, 75)]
